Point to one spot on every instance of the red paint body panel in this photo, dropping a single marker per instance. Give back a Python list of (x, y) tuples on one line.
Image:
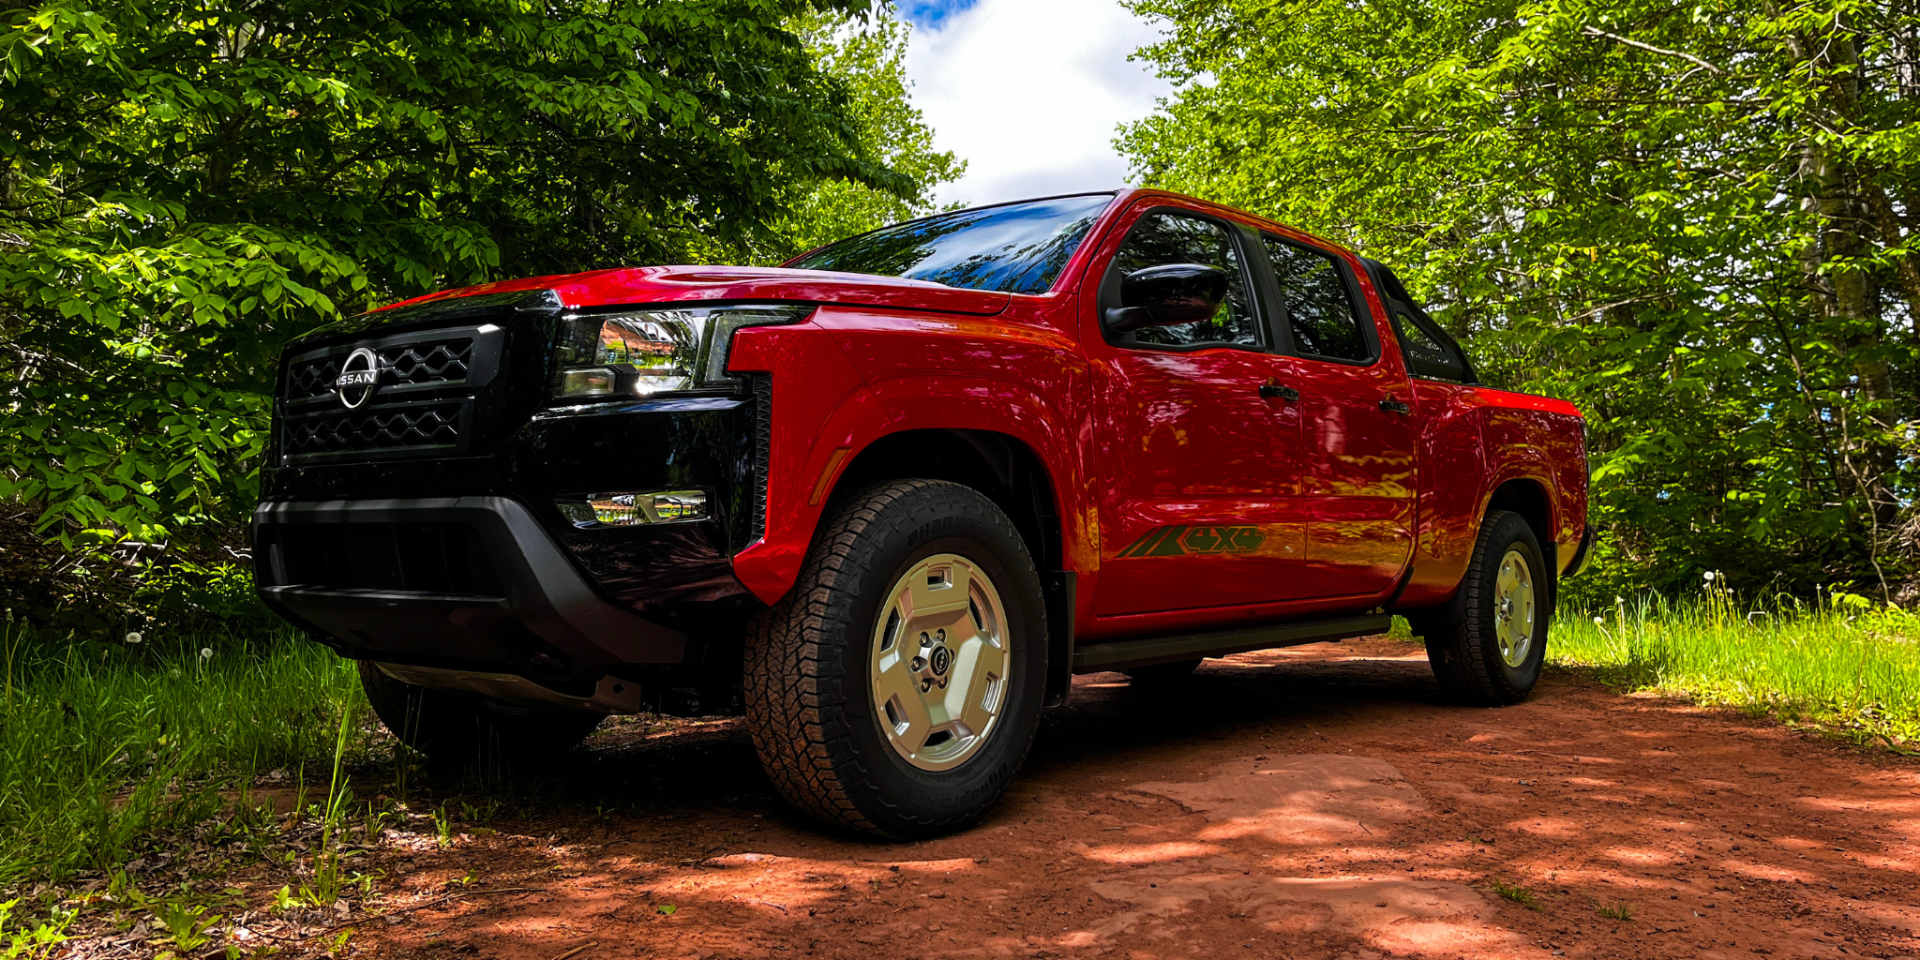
[(1343, 498), (1472, 440)]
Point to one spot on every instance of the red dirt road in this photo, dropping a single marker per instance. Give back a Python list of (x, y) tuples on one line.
[(1314, 802)]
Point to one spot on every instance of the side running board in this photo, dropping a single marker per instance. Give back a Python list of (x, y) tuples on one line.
[(1095, 657)]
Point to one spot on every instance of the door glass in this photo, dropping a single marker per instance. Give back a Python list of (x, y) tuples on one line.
[(1163, 238), (1426, 355), (1319, 305)]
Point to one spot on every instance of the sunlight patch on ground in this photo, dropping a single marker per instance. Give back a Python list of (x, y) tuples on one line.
[(1309, 798)]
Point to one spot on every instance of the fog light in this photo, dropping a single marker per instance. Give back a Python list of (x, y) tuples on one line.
[(586, 382), (634, 509)]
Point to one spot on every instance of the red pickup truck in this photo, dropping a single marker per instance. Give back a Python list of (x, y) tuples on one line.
[(886, 500)]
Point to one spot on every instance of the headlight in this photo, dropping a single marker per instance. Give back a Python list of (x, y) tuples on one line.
[(644, 352)]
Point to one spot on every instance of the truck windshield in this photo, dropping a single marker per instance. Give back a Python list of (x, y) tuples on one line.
[(1014, 248)]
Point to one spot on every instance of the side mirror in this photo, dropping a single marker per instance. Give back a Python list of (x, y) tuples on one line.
[(1171, 294)]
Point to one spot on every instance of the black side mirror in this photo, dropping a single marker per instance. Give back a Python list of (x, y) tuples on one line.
[(1166, 295)]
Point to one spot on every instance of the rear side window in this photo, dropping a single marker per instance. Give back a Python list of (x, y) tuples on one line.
[(1159, 239), (1318, 302), (1430, 354)]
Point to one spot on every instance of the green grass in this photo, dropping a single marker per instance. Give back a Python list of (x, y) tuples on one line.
[(1843, 665), (108, 748), (1514, 893)]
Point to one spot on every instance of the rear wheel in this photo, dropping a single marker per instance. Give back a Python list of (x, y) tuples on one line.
[(453, 729), (1487, 647), (897, 688)]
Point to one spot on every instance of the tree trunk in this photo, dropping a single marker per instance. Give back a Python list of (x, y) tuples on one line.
[(1835, 199)]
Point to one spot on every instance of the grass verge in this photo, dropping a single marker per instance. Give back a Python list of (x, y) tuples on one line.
[(106, 748), (1843, 664)]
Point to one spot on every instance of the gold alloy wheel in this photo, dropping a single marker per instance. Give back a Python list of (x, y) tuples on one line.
[(1513, 608), (939, 664)]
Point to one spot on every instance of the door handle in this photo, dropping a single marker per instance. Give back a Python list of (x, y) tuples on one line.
[(1391, 405), (1272, 390)]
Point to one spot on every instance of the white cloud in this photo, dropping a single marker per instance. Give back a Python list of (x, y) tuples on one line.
[(1030, 93)]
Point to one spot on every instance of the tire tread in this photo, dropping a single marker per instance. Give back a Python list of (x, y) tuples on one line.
[(1461, 645), (793, 685)]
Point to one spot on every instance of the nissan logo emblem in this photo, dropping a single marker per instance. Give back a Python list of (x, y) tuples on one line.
[(359, 375)]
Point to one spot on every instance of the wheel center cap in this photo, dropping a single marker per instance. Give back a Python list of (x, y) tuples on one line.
[(941, 659)]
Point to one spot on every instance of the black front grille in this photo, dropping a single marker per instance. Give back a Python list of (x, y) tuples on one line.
[(416, 426), (428, 386), (435, 361), (313, 378), (436, 558)]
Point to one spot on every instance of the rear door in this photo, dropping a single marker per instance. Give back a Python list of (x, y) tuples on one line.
[(1195, 507), (1356, 413)]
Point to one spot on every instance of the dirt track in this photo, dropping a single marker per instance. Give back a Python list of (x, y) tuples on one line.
[(1313, 802)]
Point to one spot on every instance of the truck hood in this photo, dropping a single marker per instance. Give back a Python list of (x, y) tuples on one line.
[(681, 283)]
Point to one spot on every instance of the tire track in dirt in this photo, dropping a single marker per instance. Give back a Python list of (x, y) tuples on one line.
[(1313, 802)]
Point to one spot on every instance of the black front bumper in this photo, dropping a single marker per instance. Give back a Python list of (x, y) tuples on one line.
[(471, 585), (430, 542)]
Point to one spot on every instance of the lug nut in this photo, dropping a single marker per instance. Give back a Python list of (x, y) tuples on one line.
[(926, 641), (918, 664), (940, 635)]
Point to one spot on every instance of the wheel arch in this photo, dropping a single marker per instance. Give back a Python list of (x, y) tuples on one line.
[(1531, 499), (999, 465), (1015, 477), (1525, 495), (1528, 497)]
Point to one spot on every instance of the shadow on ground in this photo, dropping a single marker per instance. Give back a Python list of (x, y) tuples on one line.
[(1314, 802)]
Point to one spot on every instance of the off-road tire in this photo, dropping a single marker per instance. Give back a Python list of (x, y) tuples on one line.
[(808, 695), (1461, 642), (454, 730), (1163, 673)]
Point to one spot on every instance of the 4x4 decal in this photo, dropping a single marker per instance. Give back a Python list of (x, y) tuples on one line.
[(1180, 541)]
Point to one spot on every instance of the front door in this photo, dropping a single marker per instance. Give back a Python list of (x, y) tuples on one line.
[(1197, 509)]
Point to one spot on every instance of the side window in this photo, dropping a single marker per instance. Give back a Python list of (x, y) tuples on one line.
[(1159, 239), (1428, 354), (1318, 302)]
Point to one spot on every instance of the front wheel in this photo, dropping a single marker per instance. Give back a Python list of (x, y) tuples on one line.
[(896, 689), (1489, 646)]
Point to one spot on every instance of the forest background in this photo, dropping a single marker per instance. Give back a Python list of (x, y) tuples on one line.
[(1695, 220), (187, 186)]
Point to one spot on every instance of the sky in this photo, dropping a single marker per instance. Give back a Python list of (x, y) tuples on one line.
[(1028, 92)]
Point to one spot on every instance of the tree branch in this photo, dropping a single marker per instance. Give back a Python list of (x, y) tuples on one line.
[(1650, 48)]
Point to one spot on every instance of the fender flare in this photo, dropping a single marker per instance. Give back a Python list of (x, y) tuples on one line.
[(883, 408)]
